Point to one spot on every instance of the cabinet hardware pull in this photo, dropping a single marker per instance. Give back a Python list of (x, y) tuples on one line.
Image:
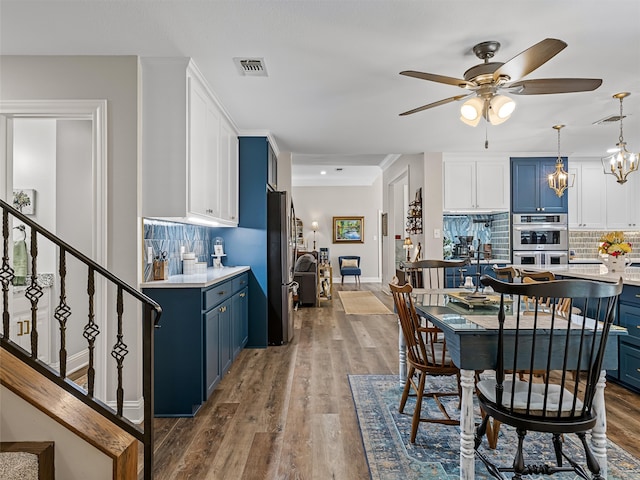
[(244, 294), (222, 292), (21, 332), (28, 322)]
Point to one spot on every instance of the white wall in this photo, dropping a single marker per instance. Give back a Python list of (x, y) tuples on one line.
[(321, 204), (34, 167), (115, 78)]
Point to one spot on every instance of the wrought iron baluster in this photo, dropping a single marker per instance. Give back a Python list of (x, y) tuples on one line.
[(6, 274), (62, 313), (119, 351), (33, 293), (91, 331)]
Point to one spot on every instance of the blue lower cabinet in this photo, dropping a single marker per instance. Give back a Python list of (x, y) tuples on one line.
[(196, 344), (628, 372)]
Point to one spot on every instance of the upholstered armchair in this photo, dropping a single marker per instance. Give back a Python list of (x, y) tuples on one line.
[(305, 273), (350, 265)]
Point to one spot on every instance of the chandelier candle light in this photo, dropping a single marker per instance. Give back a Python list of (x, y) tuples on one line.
[(560, 180), (621, 162)]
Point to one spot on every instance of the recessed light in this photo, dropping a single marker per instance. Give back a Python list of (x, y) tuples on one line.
[(323, 172), (338, 169)]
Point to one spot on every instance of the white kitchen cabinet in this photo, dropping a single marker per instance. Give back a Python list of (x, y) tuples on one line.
[(189, 147), (471, 185), (228, 169), (586, 203), (622, 202)]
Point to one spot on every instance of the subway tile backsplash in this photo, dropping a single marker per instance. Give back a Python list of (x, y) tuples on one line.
[(585, 242)]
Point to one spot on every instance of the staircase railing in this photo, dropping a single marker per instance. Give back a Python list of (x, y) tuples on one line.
[(62, 312)]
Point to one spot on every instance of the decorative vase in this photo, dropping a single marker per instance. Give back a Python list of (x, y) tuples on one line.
[(615, 264)]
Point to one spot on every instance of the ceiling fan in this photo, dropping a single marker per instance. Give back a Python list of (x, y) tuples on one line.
[(486, 80)]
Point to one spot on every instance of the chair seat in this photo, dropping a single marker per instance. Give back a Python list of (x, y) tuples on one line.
[(488, 389), (350, 271), (438, 347)]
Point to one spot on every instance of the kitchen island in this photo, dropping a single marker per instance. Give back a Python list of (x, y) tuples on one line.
[(204, 327), (628, 373)]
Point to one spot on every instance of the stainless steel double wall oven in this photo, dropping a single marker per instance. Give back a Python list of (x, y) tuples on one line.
[(540, 239)]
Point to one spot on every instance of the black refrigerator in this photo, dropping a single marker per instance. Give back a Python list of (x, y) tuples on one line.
[(279, 269)]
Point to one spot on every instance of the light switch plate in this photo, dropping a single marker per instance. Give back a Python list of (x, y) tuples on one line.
[(150, 255)]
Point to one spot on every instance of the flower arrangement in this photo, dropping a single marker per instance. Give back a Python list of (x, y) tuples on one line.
[(613, 244)]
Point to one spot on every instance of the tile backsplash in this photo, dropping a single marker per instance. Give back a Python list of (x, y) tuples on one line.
[(489, 228), (169, 237), (585, 242)]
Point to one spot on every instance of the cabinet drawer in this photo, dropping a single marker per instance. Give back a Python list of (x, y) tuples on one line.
[(239, 282), (630, 319), (629, 365), (217, 294)]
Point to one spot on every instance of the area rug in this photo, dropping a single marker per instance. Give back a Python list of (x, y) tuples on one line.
[(362, 303), (436, 452)]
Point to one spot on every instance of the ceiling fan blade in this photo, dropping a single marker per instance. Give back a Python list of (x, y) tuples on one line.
[(532, 58), (543, 86), (457, 82), (436, 104)]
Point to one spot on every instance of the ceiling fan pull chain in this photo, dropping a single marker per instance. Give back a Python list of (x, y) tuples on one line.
[(486, 136)]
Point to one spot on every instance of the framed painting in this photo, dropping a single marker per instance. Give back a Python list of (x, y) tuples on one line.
[(24, 200), (348, 229)]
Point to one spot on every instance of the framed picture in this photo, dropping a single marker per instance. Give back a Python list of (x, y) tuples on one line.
[(348, 229), (218, 250), (24, 200)]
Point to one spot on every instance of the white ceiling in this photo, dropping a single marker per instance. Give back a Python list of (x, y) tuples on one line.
[(333, 92)]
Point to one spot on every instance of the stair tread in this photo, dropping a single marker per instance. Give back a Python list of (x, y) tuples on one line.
[(63, 407)]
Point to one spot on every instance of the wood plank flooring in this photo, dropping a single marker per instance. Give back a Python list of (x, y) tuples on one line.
[(287, 413)]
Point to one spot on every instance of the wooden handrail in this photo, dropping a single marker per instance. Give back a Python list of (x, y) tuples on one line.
[(151, 317)]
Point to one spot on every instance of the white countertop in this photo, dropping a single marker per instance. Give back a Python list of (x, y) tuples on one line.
[(630, 276), (213, 276)]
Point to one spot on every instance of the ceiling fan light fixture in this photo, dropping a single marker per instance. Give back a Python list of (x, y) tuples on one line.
[(471, 111), (500, 109), (620, 163)]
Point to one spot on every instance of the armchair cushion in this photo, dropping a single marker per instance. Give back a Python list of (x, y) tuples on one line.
[(349, 262)]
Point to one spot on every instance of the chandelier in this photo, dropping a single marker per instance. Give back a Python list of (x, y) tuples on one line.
[(560, 180), (621, 162)]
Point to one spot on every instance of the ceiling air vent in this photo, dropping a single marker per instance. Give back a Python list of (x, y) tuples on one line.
[(609, 119), (251, 67)]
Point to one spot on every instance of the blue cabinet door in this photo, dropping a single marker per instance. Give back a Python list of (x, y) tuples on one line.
[(530, 192), (224, 342), (239, 321), (213, 372)]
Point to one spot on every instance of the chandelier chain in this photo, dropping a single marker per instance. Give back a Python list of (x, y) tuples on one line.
[(620, 139)]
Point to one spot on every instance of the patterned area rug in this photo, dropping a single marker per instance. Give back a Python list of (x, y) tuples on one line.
[(435, 455), (356, 302)]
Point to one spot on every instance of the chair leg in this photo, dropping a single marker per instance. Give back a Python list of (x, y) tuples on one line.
[(407, 387), (557, 446), (518, 462), (416, 413), (342, 280), (592, 463)]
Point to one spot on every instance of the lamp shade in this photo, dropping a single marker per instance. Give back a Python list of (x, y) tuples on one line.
[(314, 226), (500, 109), (471, 111)]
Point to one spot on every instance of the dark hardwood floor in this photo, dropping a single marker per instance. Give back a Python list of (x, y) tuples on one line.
[(287, 413)]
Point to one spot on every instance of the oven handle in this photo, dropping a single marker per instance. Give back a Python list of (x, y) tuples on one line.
[(534, 227)]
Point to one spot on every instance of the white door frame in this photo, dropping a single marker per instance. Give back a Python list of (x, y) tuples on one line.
[(96, 112)]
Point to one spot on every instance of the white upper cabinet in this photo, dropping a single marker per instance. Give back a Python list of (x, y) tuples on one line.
[(189, 147), (475, 184), (586, 204), (623, 202)]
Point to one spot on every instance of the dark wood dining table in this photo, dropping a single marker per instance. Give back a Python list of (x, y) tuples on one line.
[(471, 333)]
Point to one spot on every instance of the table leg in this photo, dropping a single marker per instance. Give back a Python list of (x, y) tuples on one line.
[(599, 432), (467, 426), (402, 356)]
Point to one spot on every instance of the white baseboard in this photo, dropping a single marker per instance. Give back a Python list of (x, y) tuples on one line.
[(350, 279), (75, 362), (133, 410)]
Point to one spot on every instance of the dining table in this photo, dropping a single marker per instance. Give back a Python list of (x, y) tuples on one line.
[(470, 328)]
